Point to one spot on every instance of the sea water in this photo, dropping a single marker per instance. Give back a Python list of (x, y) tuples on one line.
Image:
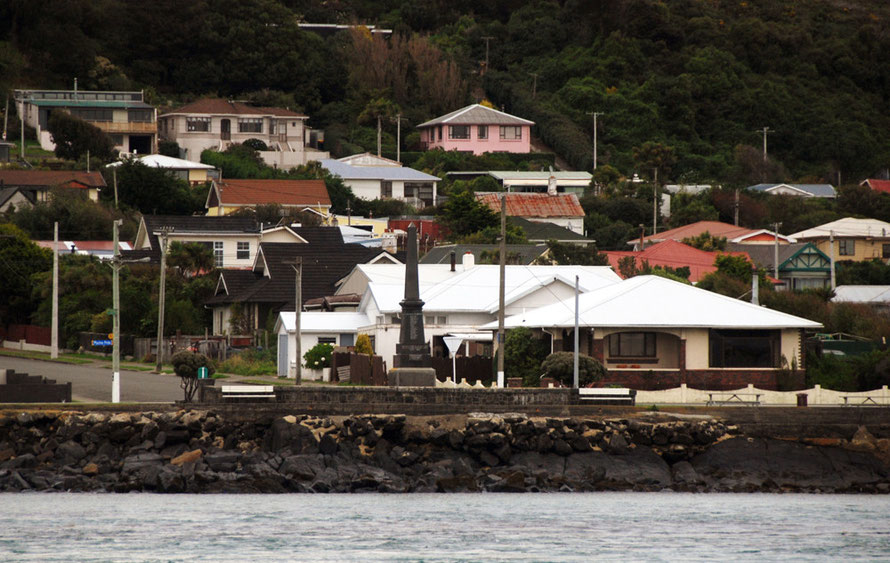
[(444, 527)]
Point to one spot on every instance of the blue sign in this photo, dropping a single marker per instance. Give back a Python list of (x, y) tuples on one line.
[(102, 342)]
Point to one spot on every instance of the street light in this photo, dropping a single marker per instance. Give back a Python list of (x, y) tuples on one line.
[(116, 264)]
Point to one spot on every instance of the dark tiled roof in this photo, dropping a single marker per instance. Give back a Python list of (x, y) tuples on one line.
[(764, 254), (196, 224), (442, 254), (325, 261), (541, 231), (218, 106)]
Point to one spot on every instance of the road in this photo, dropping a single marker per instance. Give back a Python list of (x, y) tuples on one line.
[(92, 382)]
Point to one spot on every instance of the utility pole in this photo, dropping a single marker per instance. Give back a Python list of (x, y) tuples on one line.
[(5, 117), (776, 251), (735, 208), (766, 131), (534, 84), (398, 137), (379, 135), (655, 204), (114, 175), (54, 350), (116, 318), (162, 237), (298, 304), (594, 114), (831, 258), (487, 39), (502, 291), (575, 376)]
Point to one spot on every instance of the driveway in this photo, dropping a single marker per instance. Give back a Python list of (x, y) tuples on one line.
[(92, 382)]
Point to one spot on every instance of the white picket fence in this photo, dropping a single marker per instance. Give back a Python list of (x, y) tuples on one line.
[(816, 396)]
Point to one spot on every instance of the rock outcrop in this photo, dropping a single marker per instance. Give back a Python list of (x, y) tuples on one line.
[(200, 451)]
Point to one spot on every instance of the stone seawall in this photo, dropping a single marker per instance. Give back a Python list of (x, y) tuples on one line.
[(240, 450)]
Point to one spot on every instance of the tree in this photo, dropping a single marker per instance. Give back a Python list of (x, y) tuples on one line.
[(153, 190), (74, 137), (191, 259), (523, 354), (655, 156), (561, 367), (20, 260), (568, 254), (706, 241), (463, 215), (186, 365)]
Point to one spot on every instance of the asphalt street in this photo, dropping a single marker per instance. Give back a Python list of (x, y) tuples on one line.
[(92, 382)]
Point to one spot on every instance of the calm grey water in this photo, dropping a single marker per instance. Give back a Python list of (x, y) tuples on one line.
[(454, 527)]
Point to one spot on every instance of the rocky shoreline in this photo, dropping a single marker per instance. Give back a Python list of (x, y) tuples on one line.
[(196, 451)]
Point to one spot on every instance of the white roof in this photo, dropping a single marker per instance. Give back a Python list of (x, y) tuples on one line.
[(508, 175), (862, 294), (349, 172), (162, 161), (475, 290), (655, 302), (315, 321), (847, 227)]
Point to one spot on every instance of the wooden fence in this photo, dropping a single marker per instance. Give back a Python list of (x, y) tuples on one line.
[(31, 334), (473, 369), (214, 347), (363, 369)]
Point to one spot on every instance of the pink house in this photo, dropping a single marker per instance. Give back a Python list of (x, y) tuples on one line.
[(477, 129)]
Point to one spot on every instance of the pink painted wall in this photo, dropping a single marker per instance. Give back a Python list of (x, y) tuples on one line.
[(429, 136)]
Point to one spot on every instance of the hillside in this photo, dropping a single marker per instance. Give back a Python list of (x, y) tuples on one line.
[(696, 79)]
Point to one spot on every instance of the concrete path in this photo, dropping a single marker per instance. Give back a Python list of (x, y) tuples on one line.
[(92, 382)]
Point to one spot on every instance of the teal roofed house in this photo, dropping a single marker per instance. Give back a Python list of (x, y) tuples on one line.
[(801, 265), (797, 190), (131, 123)]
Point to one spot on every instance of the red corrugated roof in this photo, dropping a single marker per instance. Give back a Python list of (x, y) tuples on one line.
[(879, 185), (40, 178), (716, 228), (534, 204), (283, 192), (219, 106), (673, 254)]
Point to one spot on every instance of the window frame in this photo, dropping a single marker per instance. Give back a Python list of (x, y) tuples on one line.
[(621, 345), (242, 250), (385, 189), (250, 124), (517, 132), (482, 132), (219, 253), (198, 124), (726, 348), (464, 132), (846, 247)]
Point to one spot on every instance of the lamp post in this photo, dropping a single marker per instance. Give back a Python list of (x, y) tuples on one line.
[(116, 264)]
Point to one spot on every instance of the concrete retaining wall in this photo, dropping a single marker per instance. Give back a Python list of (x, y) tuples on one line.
[(816, 396)]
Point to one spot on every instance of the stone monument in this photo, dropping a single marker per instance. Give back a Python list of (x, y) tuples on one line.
[(412, 364)]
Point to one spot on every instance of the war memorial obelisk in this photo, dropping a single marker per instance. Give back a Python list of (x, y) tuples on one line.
[(413, 367)]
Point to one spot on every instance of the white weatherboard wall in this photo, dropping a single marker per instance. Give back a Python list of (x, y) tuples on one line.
[(816, 396)]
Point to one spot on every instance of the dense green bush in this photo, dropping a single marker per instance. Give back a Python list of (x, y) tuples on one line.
[(561, 367), (319, 356), (523, 354)]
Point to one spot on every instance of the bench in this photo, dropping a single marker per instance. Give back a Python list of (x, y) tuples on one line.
[(861, 401), (248, 392), (608, 395), (724, 398)]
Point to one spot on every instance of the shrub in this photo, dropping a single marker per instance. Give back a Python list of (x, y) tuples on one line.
[(319, 356), (251, 362), (186, 365), (363, 345), (561, 365), (523, 354)]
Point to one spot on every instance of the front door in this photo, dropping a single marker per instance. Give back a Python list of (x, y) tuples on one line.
[(225, 130), (282, 131)]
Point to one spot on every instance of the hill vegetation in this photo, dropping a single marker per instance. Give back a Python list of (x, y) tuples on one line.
[(698, 77)]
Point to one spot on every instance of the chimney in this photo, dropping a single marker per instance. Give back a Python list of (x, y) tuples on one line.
[(453, 261), (551, 183), (755, 287), (468, 260)]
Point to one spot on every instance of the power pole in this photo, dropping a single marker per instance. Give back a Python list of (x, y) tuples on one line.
[(575, 376), (735, 208), (766, 131), (162, 236), (534, 84), (502, 291), (487, 39), (655, 204), (831, 258), (116, 319), (298, 304), (54, 350), (378, 135), (398, 137), (776, 250), (594, 114), (114, 175)]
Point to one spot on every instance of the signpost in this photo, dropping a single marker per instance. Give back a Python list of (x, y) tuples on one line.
[(102, 342), (453, 343)]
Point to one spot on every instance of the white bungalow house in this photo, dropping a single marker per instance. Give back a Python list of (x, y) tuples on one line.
[(373, 177), (655, 333), (335, 328)]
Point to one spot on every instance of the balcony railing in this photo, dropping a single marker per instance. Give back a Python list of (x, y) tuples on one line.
[(129, 127)]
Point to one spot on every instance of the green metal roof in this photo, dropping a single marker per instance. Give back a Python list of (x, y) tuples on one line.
[(120, 104)]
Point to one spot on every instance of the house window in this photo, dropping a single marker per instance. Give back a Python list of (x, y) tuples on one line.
[(459, 131), (632, 345), (429, 320), (198, 124), (420, 190), (94, 114), (243, 251), (140, 115), (482, 131), (442, 320), (511, 133), (385, 189), (250, 125), (218, 253), (885, 251), (118, 140), (744, 348), (272, 126), (327, 340), (846, 247), (440, 132)]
